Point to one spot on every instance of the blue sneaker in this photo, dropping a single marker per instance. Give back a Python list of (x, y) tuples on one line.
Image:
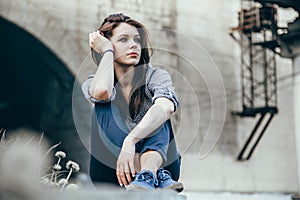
[(144, 180), (166, 182)]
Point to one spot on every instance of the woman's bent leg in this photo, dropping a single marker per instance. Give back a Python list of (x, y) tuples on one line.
[(151, 160), (101, 173), (157, 149), (173, 157), (164, 143), (106, 140)]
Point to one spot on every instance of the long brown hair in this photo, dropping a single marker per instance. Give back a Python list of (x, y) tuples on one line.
[(137, 94)]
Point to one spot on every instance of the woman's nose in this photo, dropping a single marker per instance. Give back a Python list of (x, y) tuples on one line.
[(133, 44)]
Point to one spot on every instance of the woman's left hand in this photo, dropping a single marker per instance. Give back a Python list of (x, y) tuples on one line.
[(125, 163), (98, 42)]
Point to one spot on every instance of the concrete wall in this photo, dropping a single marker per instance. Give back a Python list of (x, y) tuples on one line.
[(273, 167), (204, 63)]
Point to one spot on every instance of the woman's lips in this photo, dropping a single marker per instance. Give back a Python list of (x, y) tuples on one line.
[(133, 54)]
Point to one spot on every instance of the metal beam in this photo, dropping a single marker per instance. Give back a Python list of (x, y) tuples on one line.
[(243, 155)]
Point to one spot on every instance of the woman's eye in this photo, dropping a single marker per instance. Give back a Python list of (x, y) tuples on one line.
[(137, 40), (123, 39)]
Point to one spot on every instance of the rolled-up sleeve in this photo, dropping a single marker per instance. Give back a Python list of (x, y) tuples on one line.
[(85, 90), (160, 85)]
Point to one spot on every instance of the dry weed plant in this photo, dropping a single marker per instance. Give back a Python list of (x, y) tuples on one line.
[(24, 167)]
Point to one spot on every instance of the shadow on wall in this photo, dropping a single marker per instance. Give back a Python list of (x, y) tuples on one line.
[(36, 91)]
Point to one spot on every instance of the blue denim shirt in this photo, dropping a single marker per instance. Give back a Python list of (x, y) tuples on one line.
[(158, 84)]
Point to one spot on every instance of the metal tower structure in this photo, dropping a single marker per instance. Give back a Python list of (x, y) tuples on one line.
[(257, 35)]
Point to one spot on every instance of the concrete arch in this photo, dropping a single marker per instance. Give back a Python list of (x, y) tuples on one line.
[(53, 25), (36, 89)]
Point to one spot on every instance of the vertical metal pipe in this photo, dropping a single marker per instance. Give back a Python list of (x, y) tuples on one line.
[(275, 103), (251, 69), (242, 45), (266, 67)]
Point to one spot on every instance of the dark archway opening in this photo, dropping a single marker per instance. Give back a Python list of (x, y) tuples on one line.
[(36, 91)]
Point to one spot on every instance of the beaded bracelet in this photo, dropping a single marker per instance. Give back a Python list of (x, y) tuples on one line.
[(108, 50)]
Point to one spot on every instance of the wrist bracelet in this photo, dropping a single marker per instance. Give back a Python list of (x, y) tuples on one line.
[(108, 50)]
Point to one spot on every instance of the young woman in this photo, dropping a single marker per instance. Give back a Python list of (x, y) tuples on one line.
[(132, 142)]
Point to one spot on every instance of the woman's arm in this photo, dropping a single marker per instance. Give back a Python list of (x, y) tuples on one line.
[(158, 113), (102, 84)]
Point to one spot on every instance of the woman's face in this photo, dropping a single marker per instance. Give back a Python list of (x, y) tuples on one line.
[(127, 44)]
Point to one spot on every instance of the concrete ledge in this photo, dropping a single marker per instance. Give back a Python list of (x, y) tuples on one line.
[(114, 195)]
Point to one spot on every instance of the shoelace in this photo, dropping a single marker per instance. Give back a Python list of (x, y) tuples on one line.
[(146, 176), (164, 175)]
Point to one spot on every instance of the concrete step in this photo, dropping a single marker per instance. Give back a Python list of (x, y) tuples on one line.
[(161, 195), (115, 195), (200, 195)]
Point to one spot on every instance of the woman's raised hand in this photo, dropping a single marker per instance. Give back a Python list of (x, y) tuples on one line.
[(98, 42)]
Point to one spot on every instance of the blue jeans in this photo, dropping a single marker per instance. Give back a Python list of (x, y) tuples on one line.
[(108, 133)]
